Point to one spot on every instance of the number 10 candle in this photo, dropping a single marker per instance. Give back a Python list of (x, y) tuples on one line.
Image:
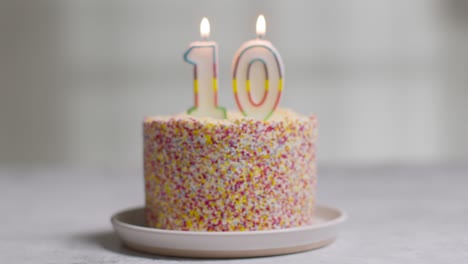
[(203, 55)]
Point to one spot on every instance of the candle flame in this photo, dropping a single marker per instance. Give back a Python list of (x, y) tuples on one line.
[(205, 28), (261, 26)]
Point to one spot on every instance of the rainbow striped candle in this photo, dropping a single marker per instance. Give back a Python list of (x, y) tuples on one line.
[(203, 55), (252, 58)]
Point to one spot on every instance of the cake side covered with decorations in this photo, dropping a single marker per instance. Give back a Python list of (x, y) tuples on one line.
[(233, 174)]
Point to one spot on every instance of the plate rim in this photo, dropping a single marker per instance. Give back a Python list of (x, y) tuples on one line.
[(342, 217)]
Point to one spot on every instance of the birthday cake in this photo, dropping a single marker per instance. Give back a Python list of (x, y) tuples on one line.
[(213, 170), (233, 174)]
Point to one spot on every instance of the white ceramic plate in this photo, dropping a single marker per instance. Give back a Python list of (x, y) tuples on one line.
[(130, 227)]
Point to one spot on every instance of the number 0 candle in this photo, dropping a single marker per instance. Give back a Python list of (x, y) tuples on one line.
[(256, 56), (203, 55)]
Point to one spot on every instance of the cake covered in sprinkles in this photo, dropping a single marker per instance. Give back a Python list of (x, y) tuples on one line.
[(234, 174)]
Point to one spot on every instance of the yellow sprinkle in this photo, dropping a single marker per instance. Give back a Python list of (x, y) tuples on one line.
[(194, 213), (167, 189)]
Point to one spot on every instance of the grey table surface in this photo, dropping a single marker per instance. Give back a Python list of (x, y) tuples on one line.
[(397, 214)]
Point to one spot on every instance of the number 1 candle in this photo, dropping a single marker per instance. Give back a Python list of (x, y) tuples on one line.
[(203, 55), (262, 54)]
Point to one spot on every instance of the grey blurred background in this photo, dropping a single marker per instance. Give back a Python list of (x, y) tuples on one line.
[(387, 78)]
